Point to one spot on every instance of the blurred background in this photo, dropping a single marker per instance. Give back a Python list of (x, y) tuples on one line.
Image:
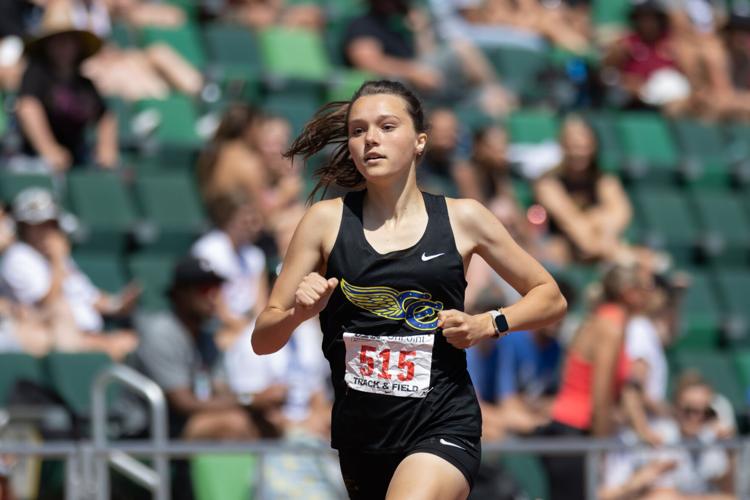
[(145, 209)]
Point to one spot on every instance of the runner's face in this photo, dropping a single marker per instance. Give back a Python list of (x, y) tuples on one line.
[(382, 138)]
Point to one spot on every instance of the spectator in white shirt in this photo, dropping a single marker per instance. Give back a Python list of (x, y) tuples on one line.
[(230, 251), (38, 271)]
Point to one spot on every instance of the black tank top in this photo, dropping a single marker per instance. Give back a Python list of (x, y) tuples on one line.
[(396, 379)]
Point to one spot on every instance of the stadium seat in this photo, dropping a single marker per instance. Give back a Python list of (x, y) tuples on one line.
[(104, 208), (648, 146), (700, 319), (610, 12), (704, 161), (609, 153), (104, 270), (532, 127), (296, 103), (13, 183), (725, 225), (668, 221), (345, 83), (184, 39), (519, 69), (121, 35), (169, 202), (153, 273), (177, 117), (737, 139), (294, 54), (72, 376), (529, 473), (742, 363), (717, 368), (234, 55), (734, 289), (229, 477), (16, 366)]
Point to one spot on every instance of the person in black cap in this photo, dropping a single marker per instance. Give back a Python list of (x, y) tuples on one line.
[(178, 352)]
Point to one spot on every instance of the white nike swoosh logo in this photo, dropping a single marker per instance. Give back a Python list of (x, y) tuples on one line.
[(446, 443), (425, 258)]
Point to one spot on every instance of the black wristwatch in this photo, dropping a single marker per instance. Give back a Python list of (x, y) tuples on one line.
[(500, 322)]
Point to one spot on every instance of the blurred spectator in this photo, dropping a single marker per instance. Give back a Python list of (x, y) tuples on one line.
[(588, 209), (38, 272), (299, 367), (136, 73), (444, 154), (705, 473), (650, 62), (735, 38), (595, 379), (245, 154), (393, 40), (515, 22), (56, 103), (178, 352), (229, 249), (260, 14)]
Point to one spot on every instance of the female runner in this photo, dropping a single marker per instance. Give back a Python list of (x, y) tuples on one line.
[(384, 267)]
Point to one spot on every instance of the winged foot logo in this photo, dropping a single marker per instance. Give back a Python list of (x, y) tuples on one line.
[(412, 306)]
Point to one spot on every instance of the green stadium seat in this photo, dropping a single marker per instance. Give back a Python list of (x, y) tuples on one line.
[(717, 368), (153, 273), (700, 320), (668, 222), (184, 39), (13, 183), (519, 69), (294, 54), (17, 366), (121, 35), (297, 104), (177, 118), (529, 472), (229, 477), (609, 152), (734, 289), (742, 363), (532, 127), (579, 277), (610, 12), (235, 57), (648, 146), (169, 201), (104, 208), (72, 376), (345, 83), (725, 224), (737, 139), (337, 9), (704, 160), (104, 270)]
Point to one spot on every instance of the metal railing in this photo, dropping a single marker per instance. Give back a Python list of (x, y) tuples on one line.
[(87, 461)]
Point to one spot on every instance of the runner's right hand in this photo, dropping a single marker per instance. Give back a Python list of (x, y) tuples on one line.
[(313, 293)]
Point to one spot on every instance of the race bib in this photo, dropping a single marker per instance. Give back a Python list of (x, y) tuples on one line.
[(393, 366)]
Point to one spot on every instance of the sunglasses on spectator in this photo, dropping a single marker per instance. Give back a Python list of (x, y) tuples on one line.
[(704, 413)]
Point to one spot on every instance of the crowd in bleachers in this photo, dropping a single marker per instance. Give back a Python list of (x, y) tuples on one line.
[(146, 206)]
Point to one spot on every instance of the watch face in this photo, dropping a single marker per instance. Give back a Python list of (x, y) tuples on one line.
[(501, 323)]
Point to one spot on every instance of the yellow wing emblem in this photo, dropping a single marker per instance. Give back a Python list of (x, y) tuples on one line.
[(380, 300)]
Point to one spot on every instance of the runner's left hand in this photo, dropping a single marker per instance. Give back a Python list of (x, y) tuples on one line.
[(463, 330)]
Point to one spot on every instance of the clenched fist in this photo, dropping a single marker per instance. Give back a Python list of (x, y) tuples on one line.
[(463, 330), (313, 293)]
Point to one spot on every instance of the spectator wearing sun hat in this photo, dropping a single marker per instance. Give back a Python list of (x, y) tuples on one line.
[(38, 271), (56, 103)]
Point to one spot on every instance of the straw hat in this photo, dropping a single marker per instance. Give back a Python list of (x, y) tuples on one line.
[(57, 20)]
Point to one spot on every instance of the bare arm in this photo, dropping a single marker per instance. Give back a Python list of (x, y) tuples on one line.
[(616, 210), (185, 402), (36, 127), (605, 356), (367, 54), (286, 308), (478, 231), (106, 141), (573, 222)]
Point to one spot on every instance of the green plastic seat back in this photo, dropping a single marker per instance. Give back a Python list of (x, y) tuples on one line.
[(16, 366), (72, 375), (153, 272), (229, 477), (294, 54)]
